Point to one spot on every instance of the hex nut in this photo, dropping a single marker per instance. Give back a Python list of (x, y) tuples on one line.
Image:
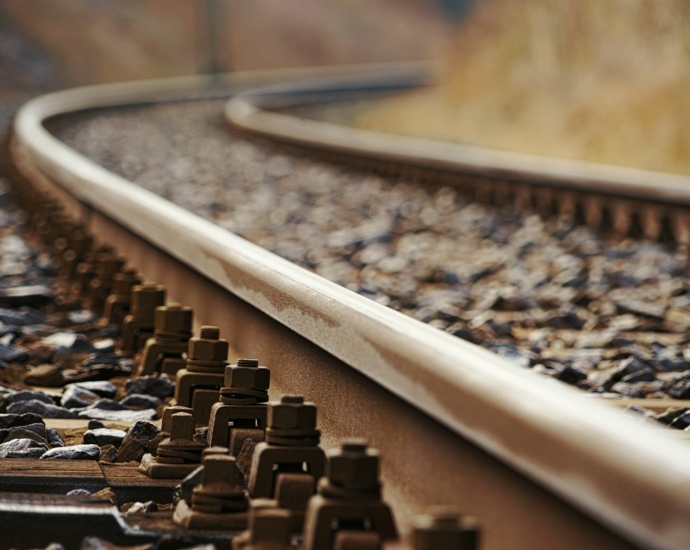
[(248, 378), (270, 526), (148, 297), (221, 470), (354, 466), (108, 265), (208, 350), (174, 318), (291, 414)]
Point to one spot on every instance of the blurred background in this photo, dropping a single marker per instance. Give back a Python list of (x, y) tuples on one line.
[(581, 79)]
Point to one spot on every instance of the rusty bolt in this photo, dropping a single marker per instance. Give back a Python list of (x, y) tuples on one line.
[(270, 526), (292, 413), (146, 298), (108, 265), (124, 281), (208, 332), (209, 346), (354, 466), (214, 450), (248, 375), (444, 528), (221, 472), (168, 413), (173, 318), (181, 426)]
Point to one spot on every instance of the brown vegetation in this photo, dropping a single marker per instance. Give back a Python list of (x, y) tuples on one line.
[(583, 79)]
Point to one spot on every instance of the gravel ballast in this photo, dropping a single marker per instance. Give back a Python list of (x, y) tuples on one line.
[(609, 316)]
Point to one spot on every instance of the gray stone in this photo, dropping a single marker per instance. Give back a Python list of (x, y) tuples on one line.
[(54, 438), (73, 452), (25, 295), (95, 543), (101, 388), (79, 493), (106, 404), (106, 345), (26, 395), (104, 436), (11, 448), (122, 416), (142, 508), (11, 354), (43, 409), (82, 317), (28, 453), (680, 389), (141, 401), (14, 420), (23, 433), (75, 396), (38, 428), (158, 386), (68, 343)]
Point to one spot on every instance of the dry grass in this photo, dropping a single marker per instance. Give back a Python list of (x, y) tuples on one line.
[(585, 79)]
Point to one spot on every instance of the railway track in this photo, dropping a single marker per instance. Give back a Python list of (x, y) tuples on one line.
[(537, 463)]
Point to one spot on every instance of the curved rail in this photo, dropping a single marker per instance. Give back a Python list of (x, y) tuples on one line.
[(251, 111), (629, 477)]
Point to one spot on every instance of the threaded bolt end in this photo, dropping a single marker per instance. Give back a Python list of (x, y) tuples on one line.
[(209, 333), (254, 363)]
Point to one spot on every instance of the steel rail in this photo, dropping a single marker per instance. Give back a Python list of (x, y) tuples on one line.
[(251, 111), (628, 477)]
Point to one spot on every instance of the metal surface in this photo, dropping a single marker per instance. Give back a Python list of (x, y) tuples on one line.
[(427, 400)]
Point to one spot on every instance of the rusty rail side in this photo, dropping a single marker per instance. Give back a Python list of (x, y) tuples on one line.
[(428, 400)]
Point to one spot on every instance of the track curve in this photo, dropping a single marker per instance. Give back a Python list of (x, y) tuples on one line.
[(589, 455)]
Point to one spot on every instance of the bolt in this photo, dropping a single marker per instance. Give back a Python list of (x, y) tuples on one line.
[(208, 347), (247, 374), (209, 333), (221, 472), (124, 281), (215, 450), (107, 265), (168, 413), (354, 466), (271, 526), (173, 318), (181, 426), (292, 413), (444, 528), (145, 299)]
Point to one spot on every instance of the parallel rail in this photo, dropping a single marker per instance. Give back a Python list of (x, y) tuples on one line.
[(539, 464), (549, 184)]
